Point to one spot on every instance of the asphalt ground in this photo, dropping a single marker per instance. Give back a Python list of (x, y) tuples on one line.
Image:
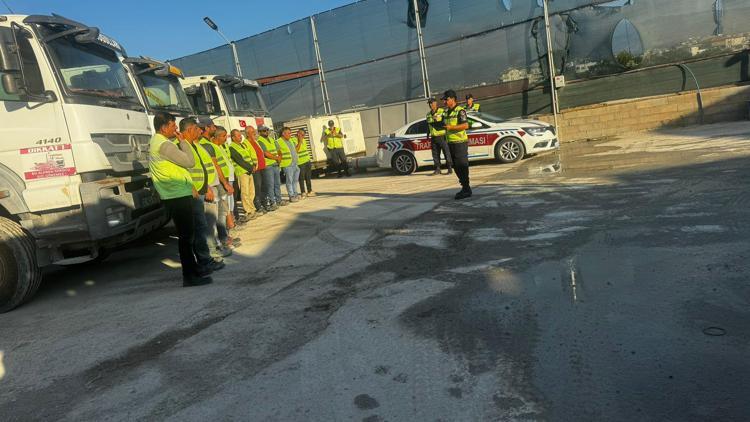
[(604, 282)]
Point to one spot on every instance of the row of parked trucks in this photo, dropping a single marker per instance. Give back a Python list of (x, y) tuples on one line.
[(76, 117)]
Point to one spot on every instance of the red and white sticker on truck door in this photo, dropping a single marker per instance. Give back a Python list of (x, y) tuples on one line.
[(47, 161)]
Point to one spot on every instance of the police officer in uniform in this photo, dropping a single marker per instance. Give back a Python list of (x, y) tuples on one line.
[(437, 136), (471, 105), (456, 124)]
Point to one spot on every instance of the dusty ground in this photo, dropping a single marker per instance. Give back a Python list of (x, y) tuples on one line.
[(607, 282)]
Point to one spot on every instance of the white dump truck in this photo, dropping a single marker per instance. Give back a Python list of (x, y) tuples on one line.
[(349, 123), (231, 101), (159, 88), (74, 158)]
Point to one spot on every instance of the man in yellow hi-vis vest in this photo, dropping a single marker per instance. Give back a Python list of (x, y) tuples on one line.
[(436, 134), (169, 164), (471, 105), (456, 124), (333, 138)]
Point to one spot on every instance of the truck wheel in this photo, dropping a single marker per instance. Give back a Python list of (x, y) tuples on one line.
[(19, 274), (404, 163), (509, 150)]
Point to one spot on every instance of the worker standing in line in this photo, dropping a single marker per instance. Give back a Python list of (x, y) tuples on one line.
[(470, 104), (273, 156), (219, 187), (334, 141), (456, 124), (225, 166), (289, 163), (436, 124), (256, 153), (305, 166), (169, 164), (203, 174), (244, 167)]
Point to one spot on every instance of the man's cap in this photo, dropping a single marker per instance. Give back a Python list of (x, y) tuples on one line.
[(469, 96), (263, 127), (204, 121), (431, 100), (331, 123), (449, 94)]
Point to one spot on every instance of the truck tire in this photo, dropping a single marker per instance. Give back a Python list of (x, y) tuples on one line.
[(19, 274)]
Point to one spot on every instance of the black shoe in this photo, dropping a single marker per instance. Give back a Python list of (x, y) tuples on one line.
[(218, 265), (348, 174), (450, 171), (195, 280), (463, 194), (435, 173), (338, 176)]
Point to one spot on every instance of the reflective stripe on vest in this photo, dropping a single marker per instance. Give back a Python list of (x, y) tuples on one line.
[(437, 117), (202, 161), (238, 169), (335, 140), (303, 154), (474, 107), (286, 154), (452, 120), (170, 180), (221, 159), (270, 147)]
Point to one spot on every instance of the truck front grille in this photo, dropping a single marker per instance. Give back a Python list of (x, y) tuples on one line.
[(127, 153)]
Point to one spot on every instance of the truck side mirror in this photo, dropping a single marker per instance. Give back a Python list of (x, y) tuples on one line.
[(10, 84), (208, 98)]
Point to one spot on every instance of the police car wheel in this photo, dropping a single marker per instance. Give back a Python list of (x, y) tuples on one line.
[(509, 150), (19, 274), (404, 163)]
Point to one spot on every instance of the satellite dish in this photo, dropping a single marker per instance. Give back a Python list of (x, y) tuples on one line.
[(627, 45)]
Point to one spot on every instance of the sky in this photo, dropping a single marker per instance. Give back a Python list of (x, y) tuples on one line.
[(168, 29)]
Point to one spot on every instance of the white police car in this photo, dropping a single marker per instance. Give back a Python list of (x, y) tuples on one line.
[(490, 137)]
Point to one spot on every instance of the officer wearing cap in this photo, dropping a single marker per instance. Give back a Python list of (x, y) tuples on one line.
[(436, 135), (471, 105), (456, 124)]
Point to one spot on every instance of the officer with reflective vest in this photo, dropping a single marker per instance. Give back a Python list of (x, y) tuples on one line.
[(244, 165), (456, 124), (436, 126), (203, 174), (273, 157), (333, 138), (219, 188), (168, 164), (305, 165), (471, 105)]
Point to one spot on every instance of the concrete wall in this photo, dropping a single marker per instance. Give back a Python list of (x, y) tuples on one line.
[(674, 110)]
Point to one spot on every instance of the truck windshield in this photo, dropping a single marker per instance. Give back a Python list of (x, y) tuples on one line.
[(243, 100), (164, 93), (91, 70)]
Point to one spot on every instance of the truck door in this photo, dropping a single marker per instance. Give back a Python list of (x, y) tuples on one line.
[(36, 142)]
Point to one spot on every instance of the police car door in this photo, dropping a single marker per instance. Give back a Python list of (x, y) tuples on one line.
[(480, 140), (418, 143)]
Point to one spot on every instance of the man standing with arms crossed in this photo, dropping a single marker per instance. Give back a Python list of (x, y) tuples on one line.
[(169, 164), (456, 124), (305, 166), (259, 160), (220, 187), (435, 121), (289, 163), (243, 167)]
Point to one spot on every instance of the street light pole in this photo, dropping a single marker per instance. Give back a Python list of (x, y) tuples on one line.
[(215, 27), (551, 62)]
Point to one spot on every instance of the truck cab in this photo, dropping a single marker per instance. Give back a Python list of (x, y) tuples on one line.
[(231, 101), (74, 158), (159, 88)]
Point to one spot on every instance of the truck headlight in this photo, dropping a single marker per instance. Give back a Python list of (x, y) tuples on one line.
[(115, 216)]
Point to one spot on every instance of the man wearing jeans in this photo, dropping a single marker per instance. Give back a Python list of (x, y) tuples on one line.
[(262, 180), (219, 186), (305, 166), (289, 162), (169, 164), (273, 158)]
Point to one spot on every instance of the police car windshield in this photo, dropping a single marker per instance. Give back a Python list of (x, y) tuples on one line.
[(92, 70), (488, 117), (243, 100), (164, 93)]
